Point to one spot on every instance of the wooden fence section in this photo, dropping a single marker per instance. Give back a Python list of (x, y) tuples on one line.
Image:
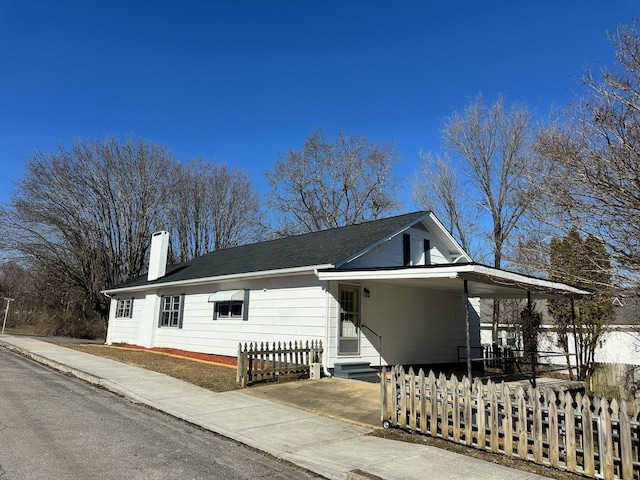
[(260, 362), (591, 437), (499, 357)]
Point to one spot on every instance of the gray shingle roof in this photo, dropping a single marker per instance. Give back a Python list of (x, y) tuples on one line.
[(318, 248)]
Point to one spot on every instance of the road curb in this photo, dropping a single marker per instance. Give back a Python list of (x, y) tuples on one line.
[(360, 475), (87, 377)]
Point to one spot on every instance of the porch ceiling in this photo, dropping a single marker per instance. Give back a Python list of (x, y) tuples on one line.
[(482, 281)]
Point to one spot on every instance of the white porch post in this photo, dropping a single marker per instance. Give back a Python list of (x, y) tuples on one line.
[(468, 327)]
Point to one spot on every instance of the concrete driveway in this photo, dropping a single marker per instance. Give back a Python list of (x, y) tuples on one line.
[(351, 401)]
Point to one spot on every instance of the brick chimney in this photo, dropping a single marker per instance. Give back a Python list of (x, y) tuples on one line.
[(158, 255)]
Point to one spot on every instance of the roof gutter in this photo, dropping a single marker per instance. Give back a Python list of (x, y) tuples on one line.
[(387, 274), (221, 278), (497, 274), (473, 272)]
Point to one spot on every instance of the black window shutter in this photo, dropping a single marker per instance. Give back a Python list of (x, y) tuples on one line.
[(406, 249), (161, 307), (181, 311), (131, 309), (427, 252), (245, 306)]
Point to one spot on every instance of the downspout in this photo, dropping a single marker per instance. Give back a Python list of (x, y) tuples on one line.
[(106, 335), (325, 362)]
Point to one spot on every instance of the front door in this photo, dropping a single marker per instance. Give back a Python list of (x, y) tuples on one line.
[(349, 328)]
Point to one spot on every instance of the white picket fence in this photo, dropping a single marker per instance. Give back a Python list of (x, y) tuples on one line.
[(588, 436), (262, 362)]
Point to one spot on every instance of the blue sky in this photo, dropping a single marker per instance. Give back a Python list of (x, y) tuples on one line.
[(241, 81)]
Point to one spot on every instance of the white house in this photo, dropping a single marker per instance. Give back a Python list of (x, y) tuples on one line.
[(396, 290), (620, 344)]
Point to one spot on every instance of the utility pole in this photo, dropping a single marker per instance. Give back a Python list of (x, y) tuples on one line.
[(6, 312)]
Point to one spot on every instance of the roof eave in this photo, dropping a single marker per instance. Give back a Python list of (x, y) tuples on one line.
[(461, 251), (312, 269)]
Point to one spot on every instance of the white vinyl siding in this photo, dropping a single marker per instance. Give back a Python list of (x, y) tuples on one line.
[(280, 310), (417, 325), (125, 330)]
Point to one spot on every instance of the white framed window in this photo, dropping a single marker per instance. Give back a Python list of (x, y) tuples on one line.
[(171, 308), (230, 304), (124, 308)]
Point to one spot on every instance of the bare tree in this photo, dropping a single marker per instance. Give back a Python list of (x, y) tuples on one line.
[(592, 155), (438, 187), (492, 144), (46, 304), (85, 214), (213, 207), (332, 182)]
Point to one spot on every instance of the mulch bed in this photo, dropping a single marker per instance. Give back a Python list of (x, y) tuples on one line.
[(206, 357)]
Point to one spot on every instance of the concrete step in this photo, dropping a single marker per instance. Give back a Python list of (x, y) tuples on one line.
[(357, 371), (344, 368)]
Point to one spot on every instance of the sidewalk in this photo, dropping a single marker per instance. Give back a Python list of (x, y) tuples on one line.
[(331, 448)]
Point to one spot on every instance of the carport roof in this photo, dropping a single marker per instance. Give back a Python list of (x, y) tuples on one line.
[(482, 281)]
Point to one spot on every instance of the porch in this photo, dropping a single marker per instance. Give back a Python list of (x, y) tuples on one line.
[(422, 314)]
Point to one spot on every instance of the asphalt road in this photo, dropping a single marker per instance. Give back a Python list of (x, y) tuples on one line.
[(56, 427)]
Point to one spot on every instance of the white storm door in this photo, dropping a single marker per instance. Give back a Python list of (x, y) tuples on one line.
[(349, 323)]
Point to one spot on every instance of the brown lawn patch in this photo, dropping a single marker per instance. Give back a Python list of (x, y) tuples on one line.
[(205, 357), (206, 374)]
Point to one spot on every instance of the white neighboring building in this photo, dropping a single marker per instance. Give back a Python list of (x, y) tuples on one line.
[(404, 278), (620, 344)]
